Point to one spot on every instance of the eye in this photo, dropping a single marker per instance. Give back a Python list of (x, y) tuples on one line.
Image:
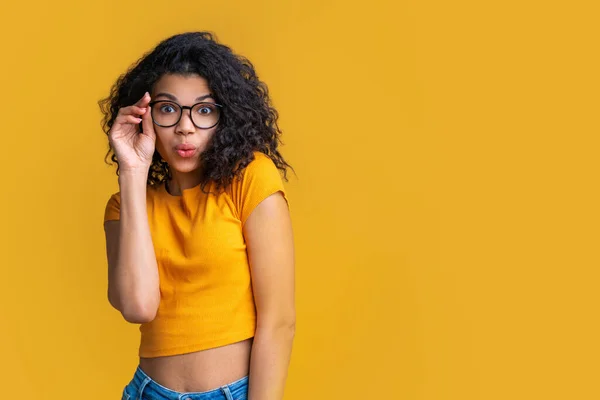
[(167, 108), (205, 110)]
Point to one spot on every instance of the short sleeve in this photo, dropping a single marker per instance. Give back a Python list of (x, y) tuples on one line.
[(112, 211), (260, 179)]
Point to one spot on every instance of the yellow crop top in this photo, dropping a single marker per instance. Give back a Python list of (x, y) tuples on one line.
[(205, 287)]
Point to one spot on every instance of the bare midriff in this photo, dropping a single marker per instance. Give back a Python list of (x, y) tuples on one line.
[(200, 371)]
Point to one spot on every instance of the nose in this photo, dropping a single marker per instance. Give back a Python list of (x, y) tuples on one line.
[(185, 126)]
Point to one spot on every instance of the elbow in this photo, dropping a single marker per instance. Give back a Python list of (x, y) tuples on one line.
[(137, 314), (134, 311), (290, 326), (290, 321), (281, 326), (288, 330), (287, 322)]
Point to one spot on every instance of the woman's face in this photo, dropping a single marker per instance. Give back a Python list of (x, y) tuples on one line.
[(181, 145)]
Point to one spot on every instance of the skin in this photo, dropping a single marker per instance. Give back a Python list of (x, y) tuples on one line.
[(184, 90), (133, 278)]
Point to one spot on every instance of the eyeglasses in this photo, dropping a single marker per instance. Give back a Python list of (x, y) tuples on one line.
[(167, 113)]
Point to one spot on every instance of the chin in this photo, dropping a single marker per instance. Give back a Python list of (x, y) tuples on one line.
[(185, 166)]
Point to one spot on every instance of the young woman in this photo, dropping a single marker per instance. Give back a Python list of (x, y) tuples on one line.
[(199, 238)]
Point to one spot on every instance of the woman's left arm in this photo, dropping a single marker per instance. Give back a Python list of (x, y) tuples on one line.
[(270, 246)]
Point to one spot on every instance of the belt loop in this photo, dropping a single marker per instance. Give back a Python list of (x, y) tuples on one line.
[(227, 392), (142, 387)]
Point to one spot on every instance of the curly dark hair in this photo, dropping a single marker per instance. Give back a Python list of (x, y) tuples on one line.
[(248, 121)]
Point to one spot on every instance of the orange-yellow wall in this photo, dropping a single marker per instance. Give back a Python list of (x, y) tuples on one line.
[(446, 211)]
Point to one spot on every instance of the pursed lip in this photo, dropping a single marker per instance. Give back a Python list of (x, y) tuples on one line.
[(185, 146)]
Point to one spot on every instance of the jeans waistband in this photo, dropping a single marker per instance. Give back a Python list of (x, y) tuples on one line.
[(142, 384)]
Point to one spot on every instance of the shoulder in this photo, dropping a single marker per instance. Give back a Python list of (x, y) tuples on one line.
[(113, 207), (259, 179), (116, 197), (260, 164), (260, 169)]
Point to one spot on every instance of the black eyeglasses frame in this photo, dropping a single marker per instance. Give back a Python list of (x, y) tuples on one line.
[(181, 108)]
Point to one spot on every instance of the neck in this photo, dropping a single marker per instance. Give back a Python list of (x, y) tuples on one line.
[(181, 181)]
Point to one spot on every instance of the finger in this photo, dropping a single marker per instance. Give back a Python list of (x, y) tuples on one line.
[(147, 125), (127, 119), (143, 102), (132, 110)]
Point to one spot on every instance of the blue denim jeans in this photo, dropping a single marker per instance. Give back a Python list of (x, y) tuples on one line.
[(142, 387)]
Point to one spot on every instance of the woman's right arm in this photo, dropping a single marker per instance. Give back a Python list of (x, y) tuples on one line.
[(133, 282), (133, 287)]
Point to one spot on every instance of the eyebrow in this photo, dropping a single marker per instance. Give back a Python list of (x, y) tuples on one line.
[(171, 97)]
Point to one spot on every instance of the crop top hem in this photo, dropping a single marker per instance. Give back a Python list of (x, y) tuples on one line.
[(205, 345)]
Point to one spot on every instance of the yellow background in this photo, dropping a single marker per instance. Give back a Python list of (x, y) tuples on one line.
[(445, 210)]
